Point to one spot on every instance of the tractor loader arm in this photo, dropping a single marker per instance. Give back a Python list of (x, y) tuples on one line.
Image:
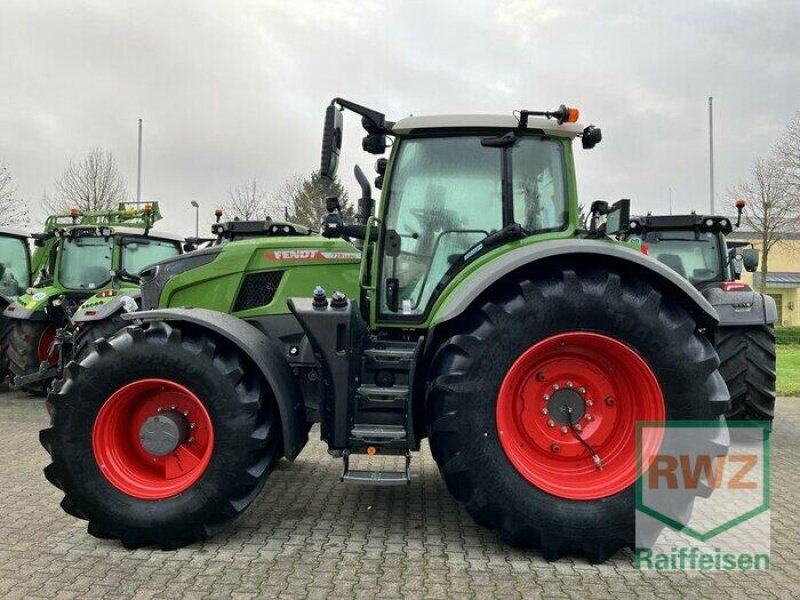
[(261, 350)]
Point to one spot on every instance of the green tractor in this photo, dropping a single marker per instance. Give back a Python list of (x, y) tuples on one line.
[(15, 278), (471, 311), (696, 247), (80, 255)]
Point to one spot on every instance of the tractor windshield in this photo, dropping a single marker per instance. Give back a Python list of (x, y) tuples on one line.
[(14, 272), (141, 252), (697, 257), (85, 262), (448, 193)]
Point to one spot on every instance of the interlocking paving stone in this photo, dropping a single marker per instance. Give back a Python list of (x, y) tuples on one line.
[(307, 535)]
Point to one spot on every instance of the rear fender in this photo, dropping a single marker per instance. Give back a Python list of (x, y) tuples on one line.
[(560, 253), (264, 353)]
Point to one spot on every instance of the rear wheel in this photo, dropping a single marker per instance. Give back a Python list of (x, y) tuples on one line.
[(747, 363), (160, 436), (534, 399), (30, 344)]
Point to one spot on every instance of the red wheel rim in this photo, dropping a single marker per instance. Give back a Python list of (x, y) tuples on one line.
[(119, 449), (46, 341), (608, 387)]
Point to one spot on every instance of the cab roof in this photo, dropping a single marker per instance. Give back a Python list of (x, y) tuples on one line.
[(504, 122), (11, 232), (133, 231)]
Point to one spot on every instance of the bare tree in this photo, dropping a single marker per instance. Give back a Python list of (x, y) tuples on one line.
[(13, 211), (286, 194), (304, 199), (772, 210), (584, 217), (250, 201), (92, 183), (787, 152)]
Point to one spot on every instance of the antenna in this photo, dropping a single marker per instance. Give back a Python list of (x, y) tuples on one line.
[(711, 150), (139, 169)]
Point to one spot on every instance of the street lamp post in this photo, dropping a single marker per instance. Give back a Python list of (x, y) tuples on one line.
[(196, 218)]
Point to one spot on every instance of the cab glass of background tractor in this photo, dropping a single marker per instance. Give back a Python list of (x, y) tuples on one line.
[(14, 266), (449, 194), (696, 256), (141, 252), (85, 262)]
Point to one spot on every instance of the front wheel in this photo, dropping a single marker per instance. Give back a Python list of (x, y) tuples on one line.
[(160, 436), (29, 344), (534, 399), (5, 332)]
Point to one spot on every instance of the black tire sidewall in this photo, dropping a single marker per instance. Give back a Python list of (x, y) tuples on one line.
[(585, 306), (103, 503)]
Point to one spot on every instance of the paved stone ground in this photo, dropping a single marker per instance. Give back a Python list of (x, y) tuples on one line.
[(307, 535)]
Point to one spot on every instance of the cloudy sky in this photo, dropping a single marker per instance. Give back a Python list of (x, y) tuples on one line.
[(236, 89)]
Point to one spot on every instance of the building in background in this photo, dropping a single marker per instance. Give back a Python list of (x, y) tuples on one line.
[(783, 278)]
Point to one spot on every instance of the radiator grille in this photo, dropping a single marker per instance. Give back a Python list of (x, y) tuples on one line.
[(258, 289)]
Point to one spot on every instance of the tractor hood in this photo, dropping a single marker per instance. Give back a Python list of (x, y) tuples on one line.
[(214, 277)]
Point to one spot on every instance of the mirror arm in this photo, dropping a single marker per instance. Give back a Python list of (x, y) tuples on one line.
[(378, 119)]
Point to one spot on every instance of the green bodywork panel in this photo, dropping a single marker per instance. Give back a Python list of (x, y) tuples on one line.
[(307, 261)]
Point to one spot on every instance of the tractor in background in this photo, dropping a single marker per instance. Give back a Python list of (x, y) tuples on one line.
[(696, 247), (101, 315), (15, 278), (81, 254), (471, 311)]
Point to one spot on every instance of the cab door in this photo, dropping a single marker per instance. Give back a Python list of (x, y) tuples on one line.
[(15, 263)]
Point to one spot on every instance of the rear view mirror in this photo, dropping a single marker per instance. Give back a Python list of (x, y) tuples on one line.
[(591, 137), (331, 142), (750, 259), (737, 262)]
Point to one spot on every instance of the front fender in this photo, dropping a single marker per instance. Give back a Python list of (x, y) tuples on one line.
[(98, 308), (262, 351), (742, 307), (463, 292)]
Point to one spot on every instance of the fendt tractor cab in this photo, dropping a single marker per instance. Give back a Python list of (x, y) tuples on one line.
[(470, 310), (83, 253), (696, 247), (15, 278)]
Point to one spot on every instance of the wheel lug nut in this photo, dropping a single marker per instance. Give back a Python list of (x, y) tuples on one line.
[(590, 403), (569, 384), (589, 417), (546, 397), (186, 413), (564, 429), (581, 390), (578, 427), (551, 423), (160, 409), (192, 425), (172, 407), (545, 411), (190, 440), (555, 386), (555, 448)]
